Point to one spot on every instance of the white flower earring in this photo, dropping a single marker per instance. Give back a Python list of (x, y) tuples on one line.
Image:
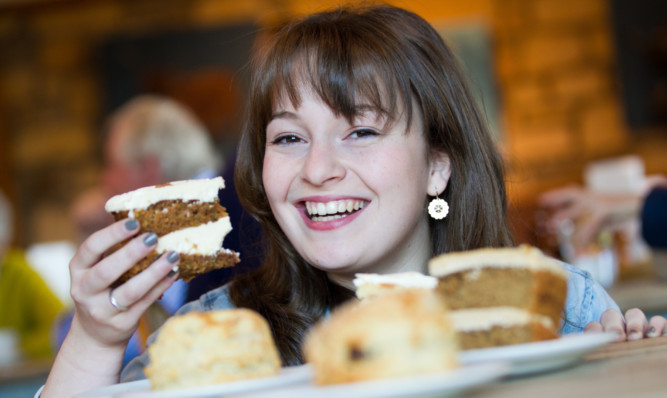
[(438, 208)]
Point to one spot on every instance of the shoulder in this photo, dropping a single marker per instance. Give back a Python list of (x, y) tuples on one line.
[(216, 299), (586, 300)]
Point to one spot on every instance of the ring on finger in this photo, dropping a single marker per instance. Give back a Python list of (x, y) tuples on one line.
[(114, 303)]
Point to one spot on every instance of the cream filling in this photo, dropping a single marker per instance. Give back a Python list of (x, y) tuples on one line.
[(205, 239), (485, 318), (523, 256), (203, 190), (326, 211), (405, 279)]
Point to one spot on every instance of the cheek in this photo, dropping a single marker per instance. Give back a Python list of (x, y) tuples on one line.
[(273, 177), (398, 168)]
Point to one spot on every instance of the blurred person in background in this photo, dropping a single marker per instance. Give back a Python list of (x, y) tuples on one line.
[(28, 307), (594, 211), (149, 140)]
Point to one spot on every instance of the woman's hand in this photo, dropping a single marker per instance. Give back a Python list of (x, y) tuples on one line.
[(92, 354), (107, 315), (635, 326)]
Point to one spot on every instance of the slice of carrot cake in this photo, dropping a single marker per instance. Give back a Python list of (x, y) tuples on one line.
[(187, 218)]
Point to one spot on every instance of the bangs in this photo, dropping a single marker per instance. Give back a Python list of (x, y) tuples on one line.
[(351, 73)]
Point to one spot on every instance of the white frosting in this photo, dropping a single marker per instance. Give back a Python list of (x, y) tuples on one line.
[(523, 256), (204, 190), (405, 279), (486, 318), (205, 239)]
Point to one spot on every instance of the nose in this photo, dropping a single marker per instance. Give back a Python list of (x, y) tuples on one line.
[(322, 164)]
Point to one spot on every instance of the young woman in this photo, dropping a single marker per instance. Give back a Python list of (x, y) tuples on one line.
[(358, 118)]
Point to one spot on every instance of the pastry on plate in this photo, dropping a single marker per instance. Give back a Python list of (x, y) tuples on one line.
[(401, 333), (201, 348)]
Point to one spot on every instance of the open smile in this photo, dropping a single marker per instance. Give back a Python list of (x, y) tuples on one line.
[(333, 210)]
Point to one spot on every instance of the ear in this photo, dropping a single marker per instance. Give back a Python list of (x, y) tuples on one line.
[(440, 171)]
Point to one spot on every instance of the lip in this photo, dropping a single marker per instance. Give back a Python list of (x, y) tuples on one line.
[(331, 224)]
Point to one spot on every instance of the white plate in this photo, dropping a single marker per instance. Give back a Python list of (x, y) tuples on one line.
[(440, 384), (541, 356), (142, 388)]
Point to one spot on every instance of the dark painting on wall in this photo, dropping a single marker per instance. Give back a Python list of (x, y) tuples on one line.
[(205, 69), (640, 34)]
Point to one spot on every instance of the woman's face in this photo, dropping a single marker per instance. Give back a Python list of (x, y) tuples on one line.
[(349, 197)]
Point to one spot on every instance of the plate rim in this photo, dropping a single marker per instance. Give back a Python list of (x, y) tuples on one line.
[(458, 379), (138, 388), (548, 354)]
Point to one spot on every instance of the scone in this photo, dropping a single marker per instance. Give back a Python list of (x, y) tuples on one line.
[(401, 333), (197, 349), (371, 285), (188, 219)]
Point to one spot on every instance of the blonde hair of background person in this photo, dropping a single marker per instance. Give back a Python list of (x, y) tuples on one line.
[(27, 305), (149, 140), (356, 104), (156, 128)]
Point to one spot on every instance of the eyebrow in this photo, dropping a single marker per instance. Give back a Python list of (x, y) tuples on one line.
[(283, 115)]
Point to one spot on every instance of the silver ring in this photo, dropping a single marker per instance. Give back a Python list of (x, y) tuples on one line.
[(115, 304)]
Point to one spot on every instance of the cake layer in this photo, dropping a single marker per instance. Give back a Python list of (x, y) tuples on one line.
[(164, 217), (539, 292), (523, 256), (190, 265), (230, 345), (370, 285), (500, 326), (203, 190), (487, 318)]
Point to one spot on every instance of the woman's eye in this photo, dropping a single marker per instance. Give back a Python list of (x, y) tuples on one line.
[(361, 133), (286, 139)]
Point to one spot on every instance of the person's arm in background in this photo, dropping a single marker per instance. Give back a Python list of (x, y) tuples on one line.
[(654, 218), (592, 211)]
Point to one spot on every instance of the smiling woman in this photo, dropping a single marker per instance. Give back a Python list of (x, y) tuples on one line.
[(358, 118), (367, 106)]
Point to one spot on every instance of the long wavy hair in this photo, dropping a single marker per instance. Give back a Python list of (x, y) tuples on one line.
[(347, 55)]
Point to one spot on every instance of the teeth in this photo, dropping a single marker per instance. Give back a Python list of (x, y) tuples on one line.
[(333, 208)]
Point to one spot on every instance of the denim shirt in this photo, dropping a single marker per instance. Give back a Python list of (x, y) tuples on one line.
[(586, 301)]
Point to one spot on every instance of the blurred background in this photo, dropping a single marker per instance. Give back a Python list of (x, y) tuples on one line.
[(565, 84)]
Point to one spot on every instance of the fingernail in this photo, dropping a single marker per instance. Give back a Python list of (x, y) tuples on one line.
[(652, 332), (172, 257), (634, 335), (150, 239), (173, 272), (131, 224)]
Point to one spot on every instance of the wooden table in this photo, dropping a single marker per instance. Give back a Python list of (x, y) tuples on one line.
[(628, 369), (650, 295)]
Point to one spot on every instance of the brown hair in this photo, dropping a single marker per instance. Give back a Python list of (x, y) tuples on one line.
[(346, 55)]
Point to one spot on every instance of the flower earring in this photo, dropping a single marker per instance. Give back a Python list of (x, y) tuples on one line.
[(438, 208)]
